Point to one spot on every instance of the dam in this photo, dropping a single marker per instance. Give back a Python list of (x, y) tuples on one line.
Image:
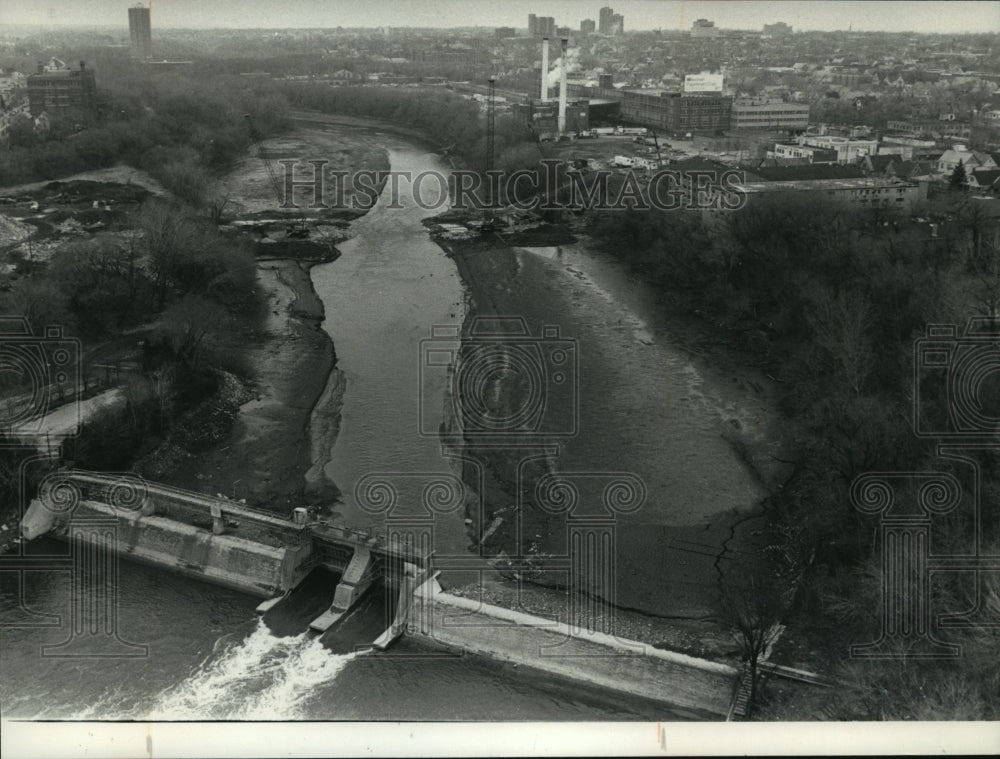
[(214, 539), (225, 542)]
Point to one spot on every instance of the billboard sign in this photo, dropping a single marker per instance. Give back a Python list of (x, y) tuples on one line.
[(703, 83)]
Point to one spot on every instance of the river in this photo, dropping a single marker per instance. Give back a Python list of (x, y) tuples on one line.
[(210, 657)]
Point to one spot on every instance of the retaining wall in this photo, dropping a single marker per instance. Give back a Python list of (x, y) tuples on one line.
[(688, 684)]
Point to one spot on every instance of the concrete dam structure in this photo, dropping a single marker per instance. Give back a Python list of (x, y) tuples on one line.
[(218, 540), (227, 543)]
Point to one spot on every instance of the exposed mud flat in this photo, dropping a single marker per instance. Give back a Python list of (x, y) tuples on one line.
[(249, 189), (700, 436)]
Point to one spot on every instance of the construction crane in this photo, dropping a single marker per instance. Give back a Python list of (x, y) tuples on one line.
[(656, 142), (489, 222)]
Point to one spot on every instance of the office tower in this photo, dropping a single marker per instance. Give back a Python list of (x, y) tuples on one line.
[(140, 32), (605, 20)]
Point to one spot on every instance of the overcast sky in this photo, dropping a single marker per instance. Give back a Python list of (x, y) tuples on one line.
[(871, 15)]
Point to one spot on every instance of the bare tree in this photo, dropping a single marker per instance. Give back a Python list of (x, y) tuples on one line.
[(753, 606), (842, 323), (982, 251)]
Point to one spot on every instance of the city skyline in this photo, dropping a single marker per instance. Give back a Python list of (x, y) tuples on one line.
[(668, 15)]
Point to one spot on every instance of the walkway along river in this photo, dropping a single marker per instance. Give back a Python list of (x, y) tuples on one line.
[(645, 409)]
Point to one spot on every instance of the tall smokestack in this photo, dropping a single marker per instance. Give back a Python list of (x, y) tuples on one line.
[(562, 88), (545, 69)]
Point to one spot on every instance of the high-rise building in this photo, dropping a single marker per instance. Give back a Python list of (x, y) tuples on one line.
[(546, 26), (588, 26), (140, 32), (605, 20), (617, 24), (532, 25)]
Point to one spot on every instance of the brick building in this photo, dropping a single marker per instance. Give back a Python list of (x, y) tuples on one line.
[(676, 112), (63, 93)]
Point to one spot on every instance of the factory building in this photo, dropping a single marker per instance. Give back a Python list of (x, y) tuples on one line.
[(543, 117), (676, 112)]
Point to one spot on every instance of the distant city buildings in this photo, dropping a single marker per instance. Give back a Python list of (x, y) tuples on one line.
[(503, 32), (769, 115), (848, 150), (541, 26), (62, 92), (588, 26), (780, 29), (605, 19), (140, 32), (810, 153), (609, 22), (703, 28), (970, 160)]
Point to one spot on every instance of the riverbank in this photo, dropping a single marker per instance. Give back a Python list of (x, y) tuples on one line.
[(272, 456), (264, 457)]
